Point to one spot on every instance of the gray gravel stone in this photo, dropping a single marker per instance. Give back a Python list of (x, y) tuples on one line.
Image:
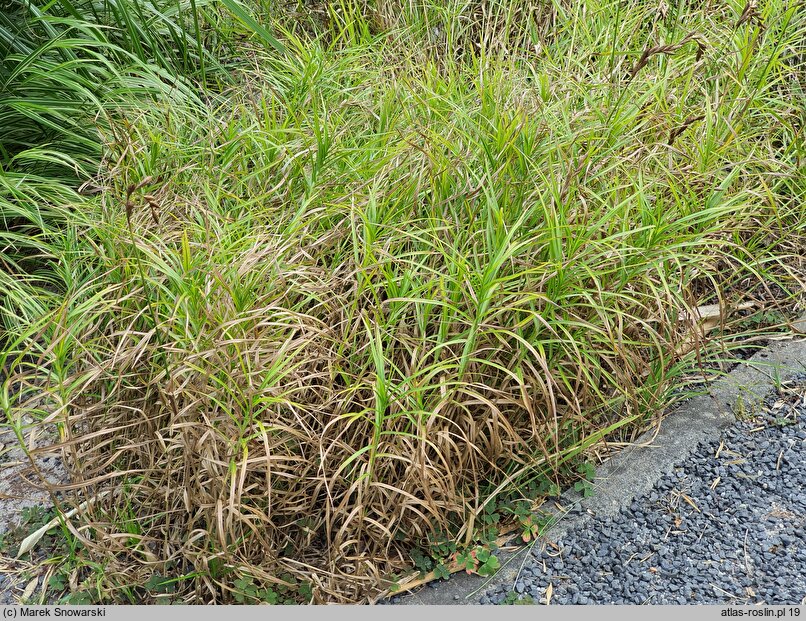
[(689, 540)]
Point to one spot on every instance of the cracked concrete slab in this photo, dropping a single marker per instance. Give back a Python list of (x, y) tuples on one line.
[(635, 470)]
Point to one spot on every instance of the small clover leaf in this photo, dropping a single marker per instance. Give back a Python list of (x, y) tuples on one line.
[(440, 571)]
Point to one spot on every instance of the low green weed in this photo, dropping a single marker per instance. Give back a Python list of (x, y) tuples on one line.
[(513, 599)]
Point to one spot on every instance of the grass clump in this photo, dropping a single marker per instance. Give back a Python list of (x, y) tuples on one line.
[(308, 320)]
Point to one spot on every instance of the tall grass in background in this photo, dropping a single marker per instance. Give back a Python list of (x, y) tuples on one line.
[(70, 69), (405, 263)]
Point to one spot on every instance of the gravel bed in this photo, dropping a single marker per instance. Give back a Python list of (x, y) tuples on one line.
[(18, 491), (17, 474), (728, 525)]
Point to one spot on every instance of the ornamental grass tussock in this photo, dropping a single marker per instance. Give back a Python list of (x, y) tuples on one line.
[(309, 284)]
